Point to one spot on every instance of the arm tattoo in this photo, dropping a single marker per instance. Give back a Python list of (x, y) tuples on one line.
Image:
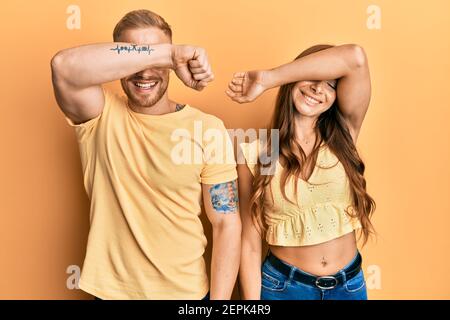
[(224, 197), (133, 47)]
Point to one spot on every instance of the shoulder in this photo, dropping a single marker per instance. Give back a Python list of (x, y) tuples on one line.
[(207, 120)]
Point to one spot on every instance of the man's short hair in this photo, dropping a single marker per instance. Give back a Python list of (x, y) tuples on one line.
[(141, 19)]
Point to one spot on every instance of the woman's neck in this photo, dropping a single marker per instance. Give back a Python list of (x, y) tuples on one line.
[(305, 129)]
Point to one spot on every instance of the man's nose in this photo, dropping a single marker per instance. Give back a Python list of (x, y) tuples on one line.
[(147, 73)]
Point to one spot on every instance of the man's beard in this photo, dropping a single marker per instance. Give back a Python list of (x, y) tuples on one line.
[(145, 101)]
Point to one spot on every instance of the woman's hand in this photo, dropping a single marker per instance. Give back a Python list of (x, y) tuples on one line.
[(247, 86)]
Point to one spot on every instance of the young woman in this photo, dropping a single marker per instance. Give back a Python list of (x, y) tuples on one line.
[(309, 208)]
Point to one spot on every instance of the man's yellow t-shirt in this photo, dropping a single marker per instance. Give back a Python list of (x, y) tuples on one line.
[(143, 175)]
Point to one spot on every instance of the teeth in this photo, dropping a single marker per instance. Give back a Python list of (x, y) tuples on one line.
[(146, 85), (310, 99)]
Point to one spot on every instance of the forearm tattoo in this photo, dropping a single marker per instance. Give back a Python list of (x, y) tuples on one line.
[(224, 197), (132, 48)]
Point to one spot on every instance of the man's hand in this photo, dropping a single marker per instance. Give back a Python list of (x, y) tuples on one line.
[(191, 66), (247, 86)]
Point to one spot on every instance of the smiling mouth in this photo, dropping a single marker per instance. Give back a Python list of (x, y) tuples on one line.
[(145, 85), (310, 100)]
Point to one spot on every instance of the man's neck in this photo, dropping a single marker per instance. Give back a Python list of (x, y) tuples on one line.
[(163, 106)]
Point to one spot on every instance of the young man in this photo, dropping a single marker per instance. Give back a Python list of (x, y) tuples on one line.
[(146, 240)]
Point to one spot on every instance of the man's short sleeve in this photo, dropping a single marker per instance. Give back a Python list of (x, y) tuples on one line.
[(87, 129), (218, 154)]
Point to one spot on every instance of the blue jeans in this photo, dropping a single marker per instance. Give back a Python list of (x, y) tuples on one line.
[(277, 286)]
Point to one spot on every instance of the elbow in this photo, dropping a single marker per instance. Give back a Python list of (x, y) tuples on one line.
[(57, 61), (58, 64), (356, 56), (232, 227)]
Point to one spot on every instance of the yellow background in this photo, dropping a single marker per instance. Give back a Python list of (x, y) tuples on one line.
[(404, 140)]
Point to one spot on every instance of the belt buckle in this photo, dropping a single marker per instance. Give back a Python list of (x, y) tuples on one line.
[(326, 278)]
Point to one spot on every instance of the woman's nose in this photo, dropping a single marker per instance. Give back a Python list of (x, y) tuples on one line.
[(317, 87)]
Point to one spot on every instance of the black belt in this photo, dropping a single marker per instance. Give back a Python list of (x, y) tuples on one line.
[(322, 282)]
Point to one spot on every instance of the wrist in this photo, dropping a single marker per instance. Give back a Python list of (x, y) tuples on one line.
[(160, 56), (178, 55), (268, 79), (170, 55)]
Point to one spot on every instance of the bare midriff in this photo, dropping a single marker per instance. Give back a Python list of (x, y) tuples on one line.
[(321, 259)]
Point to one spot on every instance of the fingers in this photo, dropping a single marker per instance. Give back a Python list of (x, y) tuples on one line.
[(237, 97), (238, 78), (233, 94), (237, 82), (207, 75), (236, 89), (195, 64), (201, 85), (200, 67), (192, 66), (242, 99), (240, 74), (202, 76)]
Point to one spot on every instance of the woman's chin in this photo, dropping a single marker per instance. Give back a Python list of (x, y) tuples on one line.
[(306, 111)]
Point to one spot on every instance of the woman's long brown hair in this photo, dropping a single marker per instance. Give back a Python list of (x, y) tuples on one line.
[(331, 128)]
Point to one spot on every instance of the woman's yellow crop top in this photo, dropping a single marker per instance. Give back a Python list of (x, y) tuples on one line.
[(320, 213)]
